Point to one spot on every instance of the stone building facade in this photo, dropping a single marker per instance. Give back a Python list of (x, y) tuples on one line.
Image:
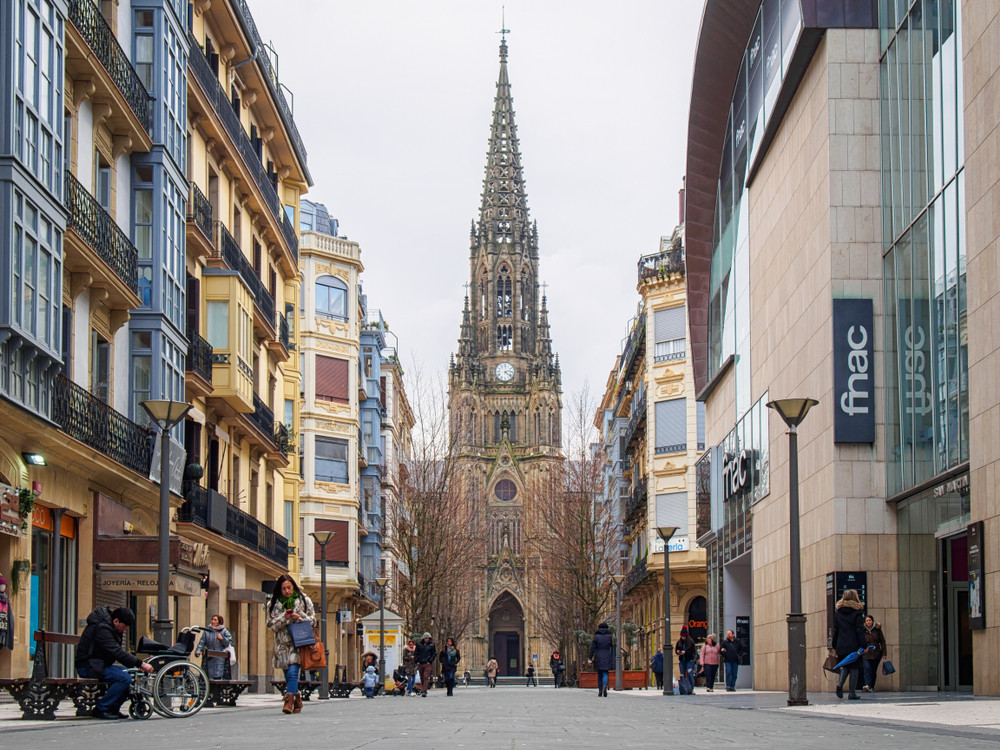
[(505, 399)]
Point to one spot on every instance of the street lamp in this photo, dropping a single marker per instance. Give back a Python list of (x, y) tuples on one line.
[(793, 411), (381, 582), (665, 533), (322, 539), (165, 414), (618, 651)]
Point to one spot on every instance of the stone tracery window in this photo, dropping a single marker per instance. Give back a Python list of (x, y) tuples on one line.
[(505, 338), (505, 490), (505, 294)]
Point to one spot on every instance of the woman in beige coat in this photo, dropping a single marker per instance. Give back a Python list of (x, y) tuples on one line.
[(491, 671), (288, 604)]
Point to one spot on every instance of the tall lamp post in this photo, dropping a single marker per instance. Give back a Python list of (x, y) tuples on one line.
[(381, 583), (618, 579), (322, 539), (665, 533), (165, 414), (793, 411)]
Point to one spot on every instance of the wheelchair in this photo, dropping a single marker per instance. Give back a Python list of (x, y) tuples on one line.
[(176, 688)]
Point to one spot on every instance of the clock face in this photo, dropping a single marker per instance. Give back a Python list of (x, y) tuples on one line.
[(505, 371)]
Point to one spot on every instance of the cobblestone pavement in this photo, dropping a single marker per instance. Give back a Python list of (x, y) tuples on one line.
[(517, 717)]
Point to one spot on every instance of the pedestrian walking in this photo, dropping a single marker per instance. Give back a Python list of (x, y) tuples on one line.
[(558, 668), (656, 664), (449, 657), (370, 681), (871, 659), (491, 671), (710, 660), (425, 656), (602, 656), (530, 674), (849, 637), (99, 648), (410, 664), (215, 638), (686, 650), (288, 604), (730, 650)]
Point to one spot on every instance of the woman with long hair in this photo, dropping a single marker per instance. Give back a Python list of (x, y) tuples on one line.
[(410, 664), (449, 658), (710, 660), (288, 604), (848, 638)]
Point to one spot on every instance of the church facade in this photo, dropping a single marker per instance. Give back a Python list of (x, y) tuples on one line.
[(505, 403)]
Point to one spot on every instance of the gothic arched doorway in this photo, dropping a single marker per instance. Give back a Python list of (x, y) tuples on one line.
[(507, 635)]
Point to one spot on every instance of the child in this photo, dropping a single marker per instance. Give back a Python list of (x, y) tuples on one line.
[(370, 681)]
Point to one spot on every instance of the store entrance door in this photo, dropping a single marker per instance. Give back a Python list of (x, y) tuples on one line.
[(957, 651)]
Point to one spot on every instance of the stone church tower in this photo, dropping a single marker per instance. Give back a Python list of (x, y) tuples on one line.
[(505, 402)]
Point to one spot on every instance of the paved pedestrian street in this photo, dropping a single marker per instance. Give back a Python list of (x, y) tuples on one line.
[(517, 717)]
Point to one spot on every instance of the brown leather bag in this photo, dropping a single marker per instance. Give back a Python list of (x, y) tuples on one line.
[(313, 657)]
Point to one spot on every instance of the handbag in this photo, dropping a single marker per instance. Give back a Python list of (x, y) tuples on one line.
[(313, 656), (301, 633), (887, 668), (232, 655), (831, 662)]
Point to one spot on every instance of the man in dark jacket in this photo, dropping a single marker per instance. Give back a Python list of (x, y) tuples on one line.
[(558, 668), (730, 651), (99, 648), (657, 666), (602, 654), (426, 654), (848, 638)]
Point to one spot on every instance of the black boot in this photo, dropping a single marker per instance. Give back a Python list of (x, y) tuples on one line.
[(840, 682)]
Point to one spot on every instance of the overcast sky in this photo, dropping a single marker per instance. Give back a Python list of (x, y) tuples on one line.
[(394, 99)]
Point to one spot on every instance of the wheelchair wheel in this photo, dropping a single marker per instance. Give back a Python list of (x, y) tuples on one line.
[(139, 709), (179, 690)]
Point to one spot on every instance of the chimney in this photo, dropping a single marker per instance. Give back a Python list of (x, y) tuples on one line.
[(680, 201)]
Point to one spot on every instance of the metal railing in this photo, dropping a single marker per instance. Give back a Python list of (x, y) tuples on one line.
[(230, 120), (199, 211), (638, 417), (284, 335), (636, 500), (86, 16), (661, 265), (374, 321), (86, 418), (282, 438), (262, 416), (634, 345), (240, 527), (227, 248), (635, 576), (96, 227), (199, 357)]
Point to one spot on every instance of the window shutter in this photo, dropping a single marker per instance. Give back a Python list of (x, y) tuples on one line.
[(193, 305), (67, 339), (381, 387), (672, 510), (668, 324), (339, 544), (671, 426), (256, 258), (701, 425), (332, 379)]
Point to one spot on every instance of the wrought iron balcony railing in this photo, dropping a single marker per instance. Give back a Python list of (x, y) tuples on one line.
[(660, 265), (284, 335), (86, 16), (210, 510), (262, 416), (227, 249), (199, 211), (199, 357), (223, 107), (635, 576), (86, 418), (101, 233), (282, 439), (636, 500), (638, 420)]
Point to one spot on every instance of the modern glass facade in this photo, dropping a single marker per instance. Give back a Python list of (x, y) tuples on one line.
[(923, 219), (765, 63)]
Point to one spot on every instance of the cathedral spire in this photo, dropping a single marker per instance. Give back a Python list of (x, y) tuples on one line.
[(503, 216)]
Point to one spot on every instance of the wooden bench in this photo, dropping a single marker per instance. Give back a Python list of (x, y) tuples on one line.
[(306, 687), (339, 686), (224, 692), (40, 695)]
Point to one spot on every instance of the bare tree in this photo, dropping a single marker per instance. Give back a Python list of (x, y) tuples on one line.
[(576, 538), (433, 531)]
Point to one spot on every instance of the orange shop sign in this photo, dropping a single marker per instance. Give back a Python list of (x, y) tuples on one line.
[(42, 518)]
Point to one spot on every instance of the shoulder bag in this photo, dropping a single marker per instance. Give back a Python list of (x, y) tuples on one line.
[(301, 633), (313, 656)]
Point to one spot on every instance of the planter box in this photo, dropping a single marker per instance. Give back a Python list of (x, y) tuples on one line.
[(631, 678)]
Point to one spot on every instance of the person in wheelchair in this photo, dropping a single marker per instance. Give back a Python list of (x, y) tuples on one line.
[(99, 648)]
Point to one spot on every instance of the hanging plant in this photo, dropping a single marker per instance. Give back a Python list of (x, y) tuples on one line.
[(25, 505), (18, 568)]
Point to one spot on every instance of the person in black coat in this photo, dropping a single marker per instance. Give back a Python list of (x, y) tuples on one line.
[(871, 659), (848, 637), (730, 651), (426, 654), (686, 651), (99, 648), (602, 655), (656, 664), (449, 657), (558, 668)]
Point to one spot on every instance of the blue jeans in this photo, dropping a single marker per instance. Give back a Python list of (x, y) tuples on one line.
[(732, 669), (370, 692), (291, 678), (409, 683), (118, 681), (602, 680), (686, 667)]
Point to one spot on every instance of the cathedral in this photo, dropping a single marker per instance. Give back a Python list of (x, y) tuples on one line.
[(505, 403)]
